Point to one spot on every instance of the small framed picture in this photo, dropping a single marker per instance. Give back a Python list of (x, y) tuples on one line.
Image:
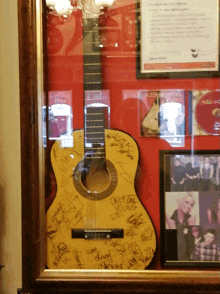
[(190, 208)]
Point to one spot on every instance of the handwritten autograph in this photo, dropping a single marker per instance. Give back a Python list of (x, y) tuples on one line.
[(61, 251), (136, 220), (123, 173), (99, 257), (122, 204), (123, 147)]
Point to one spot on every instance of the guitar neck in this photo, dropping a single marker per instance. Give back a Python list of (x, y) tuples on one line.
[(91, 55), (95, 116)]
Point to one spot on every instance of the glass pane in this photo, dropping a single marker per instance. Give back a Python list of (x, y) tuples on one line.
[(124, 151)]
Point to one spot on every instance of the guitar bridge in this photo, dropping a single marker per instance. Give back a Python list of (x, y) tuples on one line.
[(92, 234)]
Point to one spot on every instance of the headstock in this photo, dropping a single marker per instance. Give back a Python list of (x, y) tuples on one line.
[(93, 8)]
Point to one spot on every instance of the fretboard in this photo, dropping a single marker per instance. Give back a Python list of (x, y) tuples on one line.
[(91, 55), (94, 116), (94, 132)]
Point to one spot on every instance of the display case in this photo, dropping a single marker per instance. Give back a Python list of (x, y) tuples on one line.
[(120, 155)]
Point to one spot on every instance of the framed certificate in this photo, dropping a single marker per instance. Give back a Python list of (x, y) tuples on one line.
[(178, 39)]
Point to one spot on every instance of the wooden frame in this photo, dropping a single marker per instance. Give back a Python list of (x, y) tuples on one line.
[(36, 277)]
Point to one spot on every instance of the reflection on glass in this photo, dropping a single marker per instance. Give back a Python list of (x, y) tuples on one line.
[(162, 114), (60, 118), (172, 123)]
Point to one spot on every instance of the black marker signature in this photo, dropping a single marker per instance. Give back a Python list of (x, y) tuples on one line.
[(108, 265), (77, 254), (123, 147), (124, 174), (147, 235), (99, 256), (136, 220), (122, 204), (61, 251)]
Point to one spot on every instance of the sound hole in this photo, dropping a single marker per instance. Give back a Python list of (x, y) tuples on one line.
[(95, 181), (95, 177)]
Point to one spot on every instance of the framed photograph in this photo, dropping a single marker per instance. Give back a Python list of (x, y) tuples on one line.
[(190, 208), (178, 39)]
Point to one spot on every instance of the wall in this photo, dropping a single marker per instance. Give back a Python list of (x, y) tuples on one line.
[(10, 175)]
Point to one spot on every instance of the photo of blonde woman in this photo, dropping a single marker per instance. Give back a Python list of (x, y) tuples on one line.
[(182, 208)]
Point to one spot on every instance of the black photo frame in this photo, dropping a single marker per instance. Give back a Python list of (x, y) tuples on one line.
[(188, 208), (171, 72)]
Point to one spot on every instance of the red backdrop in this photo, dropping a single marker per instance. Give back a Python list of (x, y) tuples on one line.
[(65, 72)]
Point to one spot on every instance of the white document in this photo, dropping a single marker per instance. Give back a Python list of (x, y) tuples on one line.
[(179, 35)]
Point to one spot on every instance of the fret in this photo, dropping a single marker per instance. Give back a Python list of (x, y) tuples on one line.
[(95, 113), (89, 76), (91, 83), (88, 43), (94, 140), (93, 54), (92, 73), (85, 64), (95, 120), (93, 51), (103, 157), (95, 148), (93, 127), (94, 155), (96, 152), (95, 29), (94, 133), (94, 137), (92, 69)]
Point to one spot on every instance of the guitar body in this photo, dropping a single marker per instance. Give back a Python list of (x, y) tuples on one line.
[(100, 224)]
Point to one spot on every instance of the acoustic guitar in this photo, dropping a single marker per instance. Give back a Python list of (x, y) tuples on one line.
[(96, 220)]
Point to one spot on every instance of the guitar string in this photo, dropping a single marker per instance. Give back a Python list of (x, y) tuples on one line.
[(89, 45)]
